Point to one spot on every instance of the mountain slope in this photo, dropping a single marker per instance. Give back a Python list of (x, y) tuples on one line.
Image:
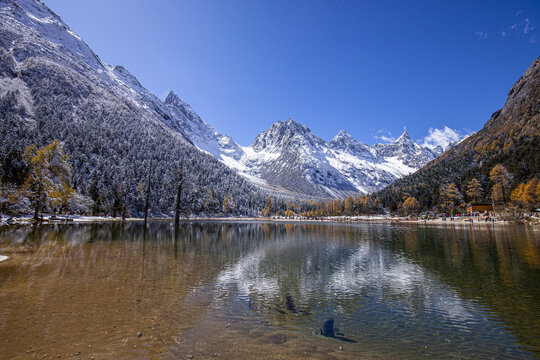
[(510, 137), (52, 86), (186, 121)]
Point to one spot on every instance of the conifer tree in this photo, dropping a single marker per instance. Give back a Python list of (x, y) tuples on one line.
[(451, 197), (411, 206), (225, 206), (177, 207), (474, 191), (267, 208), (502, 180), (49, 175)]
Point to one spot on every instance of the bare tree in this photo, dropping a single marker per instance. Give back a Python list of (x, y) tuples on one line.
[(179, 195), (148, 188)]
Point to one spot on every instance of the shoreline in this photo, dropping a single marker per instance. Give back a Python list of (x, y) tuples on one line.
[(75, 219)]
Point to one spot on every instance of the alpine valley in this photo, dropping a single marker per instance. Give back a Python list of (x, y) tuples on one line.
[(53, 86)]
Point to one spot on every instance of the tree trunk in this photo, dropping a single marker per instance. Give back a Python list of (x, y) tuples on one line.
[(38, 203), (179, 196), (124, 207), (147, 204)]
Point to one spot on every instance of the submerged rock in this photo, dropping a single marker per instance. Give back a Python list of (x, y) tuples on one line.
[(328, 328), (290, 303)]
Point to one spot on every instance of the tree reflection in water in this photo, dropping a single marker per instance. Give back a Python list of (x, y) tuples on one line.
[(399, 291)]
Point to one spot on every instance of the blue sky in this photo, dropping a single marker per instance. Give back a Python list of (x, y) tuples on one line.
[(368, 67)]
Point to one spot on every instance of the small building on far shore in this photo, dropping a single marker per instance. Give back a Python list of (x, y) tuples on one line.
[(479, 207)]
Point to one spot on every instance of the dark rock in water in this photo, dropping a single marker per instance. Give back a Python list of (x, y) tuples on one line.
[(290, 303), (328, 328)]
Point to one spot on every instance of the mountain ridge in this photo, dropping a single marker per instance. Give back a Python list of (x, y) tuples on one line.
[(510, 137), (287, 158), (115, 132)]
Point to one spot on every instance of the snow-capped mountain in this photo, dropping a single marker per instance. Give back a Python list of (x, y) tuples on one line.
[(62, 84), (406, 151), (31, 31), (53, 86), (289, 158)]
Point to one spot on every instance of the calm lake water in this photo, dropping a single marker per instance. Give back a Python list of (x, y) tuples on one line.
[(238, 290)]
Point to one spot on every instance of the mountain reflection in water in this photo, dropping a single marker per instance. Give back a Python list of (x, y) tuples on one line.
[(390, 291)]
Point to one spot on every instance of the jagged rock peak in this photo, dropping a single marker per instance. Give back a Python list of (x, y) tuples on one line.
[(290, 124), (343, 140), (175, 100), (342, 135), (281, 133), (405, 137), (172, 98)]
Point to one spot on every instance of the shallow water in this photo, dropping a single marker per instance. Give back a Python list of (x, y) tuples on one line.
[(264, 290)]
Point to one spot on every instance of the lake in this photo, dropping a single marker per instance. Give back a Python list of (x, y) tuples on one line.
[(251, 290)]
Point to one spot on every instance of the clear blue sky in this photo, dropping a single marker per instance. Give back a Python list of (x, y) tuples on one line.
[(368, 67)]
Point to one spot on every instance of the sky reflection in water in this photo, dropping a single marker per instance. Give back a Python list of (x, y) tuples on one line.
[(395, 291)]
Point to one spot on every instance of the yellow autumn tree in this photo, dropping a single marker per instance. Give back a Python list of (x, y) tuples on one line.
[(450, 197), (348, 206), (410, 206), (226, 204), (502, 180), (526, 195), (474, 191), (48, 181), (267, 211)]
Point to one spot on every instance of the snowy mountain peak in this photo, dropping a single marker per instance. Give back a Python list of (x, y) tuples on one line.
[(406, 150), (292, 125), (342, 135), (173, 99), (202, 135), (344, 141), (285, 134), (404, 138)]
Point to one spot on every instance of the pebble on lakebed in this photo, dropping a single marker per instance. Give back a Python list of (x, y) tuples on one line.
[(139, 334)]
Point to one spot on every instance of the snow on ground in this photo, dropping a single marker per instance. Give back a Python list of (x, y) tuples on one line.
[(396, 167), (24, 96)]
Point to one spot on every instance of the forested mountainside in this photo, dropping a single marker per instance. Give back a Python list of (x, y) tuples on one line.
[(510, 138), (52, 86)]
